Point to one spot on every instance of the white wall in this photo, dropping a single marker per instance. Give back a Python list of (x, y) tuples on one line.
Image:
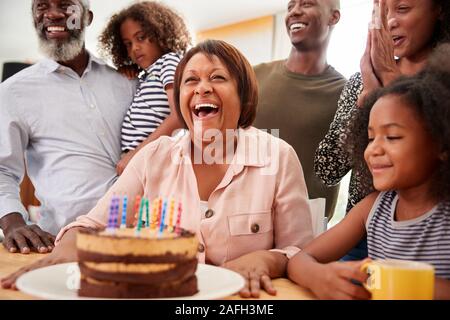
[(349, 37), (254, 38)]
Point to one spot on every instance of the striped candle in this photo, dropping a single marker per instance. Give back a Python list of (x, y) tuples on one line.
[(139, 223), (116, 211), (158, 221), (154, 214), (172, 209), (163, 216), (137, 202), (147, 213), (178, 223), (123, 224), (109, 227)]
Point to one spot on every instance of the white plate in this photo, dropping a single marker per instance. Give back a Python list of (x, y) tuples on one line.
[(61, 281)]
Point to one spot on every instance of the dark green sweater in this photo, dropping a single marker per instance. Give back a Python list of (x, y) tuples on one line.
[(302, 108)]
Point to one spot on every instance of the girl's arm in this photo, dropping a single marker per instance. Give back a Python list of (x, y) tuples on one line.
[(441, 289), (314, 267), (166, 128)]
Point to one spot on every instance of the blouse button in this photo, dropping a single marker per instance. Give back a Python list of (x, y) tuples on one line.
[(201, 248), (209, 213), (255, 228)]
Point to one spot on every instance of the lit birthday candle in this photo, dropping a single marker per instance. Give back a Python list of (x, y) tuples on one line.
[(123, 224)]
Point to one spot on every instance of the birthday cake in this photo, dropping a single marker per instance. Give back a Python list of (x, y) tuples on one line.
[(150, 265)]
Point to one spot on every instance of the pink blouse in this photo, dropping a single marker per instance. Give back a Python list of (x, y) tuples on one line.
[(260, 204)]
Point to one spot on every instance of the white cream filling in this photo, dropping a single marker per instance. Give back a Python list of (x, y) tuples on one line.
[(115, 267)]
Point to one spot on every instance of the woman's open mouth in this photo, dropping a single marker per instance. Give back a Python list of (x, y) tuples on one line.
[(205, 111), (398, 40)]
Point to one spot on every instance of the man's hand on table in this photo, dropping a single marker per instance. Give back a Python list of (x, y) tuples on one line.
[(23, 238)]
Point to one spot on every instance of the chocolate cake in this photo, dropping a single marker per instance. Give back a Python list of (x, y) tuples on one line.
[(123, 265)]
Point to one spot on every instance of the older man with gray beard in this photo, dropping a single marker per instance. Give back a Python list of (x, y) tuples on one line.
[(60, 119)]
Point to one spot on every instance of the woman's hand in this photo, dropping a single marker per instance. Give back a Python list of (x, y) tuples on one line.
[(370, 80), (334, 281), (382, 49), (258, 268), (122, 164)]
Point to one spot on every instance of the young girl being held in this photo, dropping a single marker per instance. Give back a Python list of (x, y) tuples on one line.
[(147, 37), (402, 136)]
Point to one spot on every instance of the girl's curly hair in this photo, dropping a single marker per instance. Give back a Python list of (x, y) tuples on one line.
[(429, 94), (160, 23), (442, 31)]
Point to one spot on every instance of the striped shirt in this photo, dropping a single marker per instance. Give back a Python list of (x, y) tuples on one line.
[(424, 239), (150, 106)]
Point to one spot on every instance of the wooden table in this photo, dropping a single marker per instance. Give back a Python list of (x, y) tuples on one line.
[(9, 263)]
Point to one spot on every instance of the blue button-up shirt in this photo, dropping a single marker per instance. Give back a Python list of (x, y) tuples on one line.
[(66, 130)]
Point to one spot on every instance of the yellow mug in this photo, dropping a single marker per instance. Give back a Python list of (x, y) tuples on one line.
[(399, 280)]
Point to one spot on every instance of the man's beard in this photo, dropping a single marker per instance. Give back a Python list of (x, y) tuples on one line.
[(65, 51), (62, 51)]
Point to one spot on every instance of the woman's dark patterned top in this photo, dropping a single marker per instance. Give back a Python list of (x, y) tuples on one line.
[(332, 160)]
